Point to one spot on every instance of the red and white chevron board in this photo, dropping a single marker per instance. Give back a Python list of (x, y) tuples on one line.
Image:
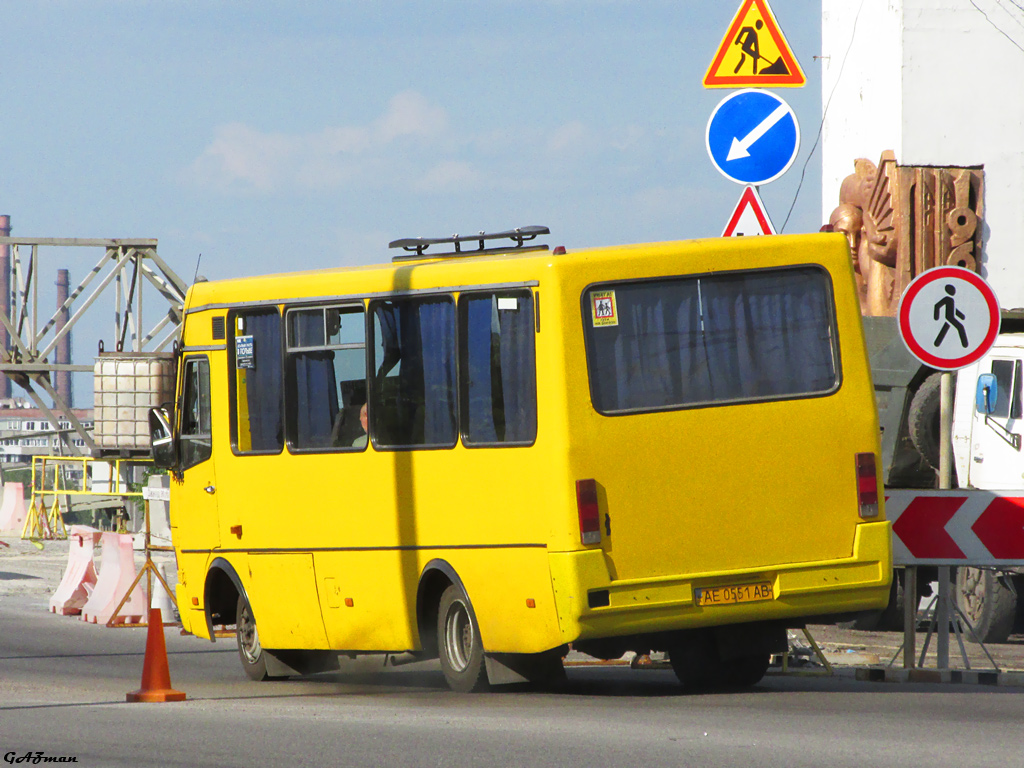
[(956, 527)]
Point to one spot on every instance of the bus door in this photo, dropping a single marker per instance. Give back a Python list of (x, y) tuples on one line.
[(194, 519)]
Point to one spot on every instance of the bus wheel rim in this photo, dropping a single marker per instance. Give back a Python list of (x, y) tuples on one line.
[(249, 639), (458, 637)]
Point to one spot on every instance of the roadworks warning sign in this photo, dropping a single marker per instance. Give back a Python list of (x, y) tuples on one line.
[(754, 53)]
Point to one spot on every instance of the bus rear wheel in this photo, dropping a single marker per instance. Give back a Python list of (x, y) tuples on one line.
[(254, 659), (746, 671), (696, 662), (699, 666), (458, 643)]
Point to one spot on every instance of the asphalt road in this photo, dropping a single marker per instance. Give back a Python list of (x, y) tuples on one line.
[(63, 685)]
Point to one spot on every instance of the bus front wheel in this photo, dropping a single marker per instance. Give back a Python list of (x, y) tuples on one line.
[(254, 660), (458, 643)]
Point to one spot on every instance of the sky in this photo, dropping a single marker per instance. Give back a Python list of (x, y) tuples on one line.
[(254, 136)]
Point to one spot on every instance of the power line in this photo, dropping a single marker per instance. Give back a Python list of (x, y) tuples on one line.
[(996, 26), (824, 114)]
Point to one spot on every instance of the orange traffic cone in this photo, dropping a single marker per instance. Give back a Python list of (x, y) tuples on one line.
[(156, 678)]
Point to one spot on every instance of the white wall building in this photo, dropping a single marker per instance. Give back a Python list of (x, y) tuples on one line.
[(27, 432), (941, 83)]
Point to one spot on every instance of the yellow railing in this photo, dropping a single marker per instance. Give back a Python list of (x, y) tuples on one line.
[(45, 519)]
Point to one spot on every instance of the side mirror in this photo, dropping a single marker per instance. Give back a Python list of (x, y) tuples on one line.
[(161, 439), (987, 394)]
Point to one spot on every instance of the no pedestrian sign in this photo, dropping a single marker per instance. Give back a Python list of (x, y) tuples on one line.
[(948, 317)]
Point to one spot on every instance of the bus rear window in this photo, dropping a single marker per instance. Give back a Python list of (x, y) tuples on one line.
[(684, 342)]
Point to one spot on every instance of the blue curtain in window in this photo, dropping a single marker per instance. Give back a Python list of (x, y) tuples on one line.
[(482, 325), (264, 382), (316, 387), (500, 376), (435, 356), (656, 351), (768, 334), (712, 339), (420, 335), (391, 341), (518, 372)]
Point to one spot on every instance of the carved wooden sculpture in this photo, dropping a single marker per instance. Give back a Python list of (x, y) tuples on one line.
[(902, 220)]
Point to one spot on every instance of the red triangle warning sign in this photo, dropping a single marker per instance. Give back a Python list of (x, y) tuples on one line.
[(754, 53), (749, 218)]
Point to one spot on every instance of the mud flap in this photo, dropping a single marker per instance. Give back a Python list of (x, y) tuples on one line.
[(295, 663), (510, 668)]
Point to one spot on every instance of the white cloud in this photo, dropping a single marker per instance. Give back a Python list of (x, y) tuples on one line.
[(244, 159), (570, 136), (242, 156), (449, 174), (410, 145), (410, 114)]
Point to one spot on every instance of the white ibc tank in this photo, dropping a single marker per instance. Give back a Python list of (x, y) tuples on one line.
[(126, 386)]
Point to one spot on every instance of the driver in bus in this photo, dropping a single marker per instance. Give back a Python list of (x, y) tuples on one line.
[(360, 441)]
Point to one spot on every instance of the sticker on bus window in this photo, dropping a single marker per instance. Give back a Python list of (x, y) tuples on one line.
[(604, 310), (508, 303), (245, 352)]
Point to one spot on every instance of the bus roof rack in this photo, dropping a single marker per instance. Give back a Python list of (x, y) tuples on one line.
[(418, 245)]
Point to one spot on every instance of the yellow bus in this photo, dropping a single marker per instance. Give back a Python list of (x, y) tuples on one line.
[(490, 454)]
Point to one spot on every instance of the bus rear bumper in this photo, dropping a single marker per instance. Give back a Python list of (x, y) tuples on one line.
[(591, 605)]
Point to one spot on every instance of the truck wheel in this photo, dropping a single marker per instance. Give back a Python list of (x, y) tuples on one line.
[(923, 419), (459, 644), (988, 602)]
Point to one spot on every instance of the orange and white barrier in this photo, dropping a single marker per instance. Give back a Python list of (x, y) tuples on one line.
[(117, 572), (13, 511), (80, 575)]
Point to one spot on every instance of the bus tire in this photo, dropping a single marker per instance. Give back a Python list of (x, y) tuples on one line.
[(458, 643), (745, 671), (988, 602), (923, 419), (696, 662), (250, 652)]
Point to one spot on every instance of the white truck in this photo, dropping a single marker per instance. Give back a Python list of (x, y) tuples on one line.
[(987, 453), (946, 191)]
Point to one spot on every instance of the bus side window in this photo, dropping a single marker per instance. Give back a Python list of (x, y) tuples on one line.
[(412, 398), (257, 402), (196, 442), (326, 377), (497, 368)]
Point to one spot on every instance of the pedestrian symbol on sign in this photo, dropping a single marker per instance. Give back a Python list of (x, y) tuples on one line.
[(603, 308), (948, 317), (953, 316)]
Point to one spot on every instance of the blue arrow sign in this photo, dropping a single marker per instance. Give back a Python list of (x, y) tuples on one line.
[(752, 136)]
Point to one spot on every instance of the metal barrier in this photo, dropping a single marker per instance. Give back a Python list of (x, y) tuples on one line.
[(57, 477)]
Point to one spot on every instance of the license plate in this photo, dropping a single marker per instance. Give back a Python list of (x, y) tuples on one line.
[(735, 593)]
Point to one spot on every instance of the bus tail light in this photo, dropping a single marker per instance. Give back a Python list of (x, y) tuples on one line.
[(867, 485), (590, 517)]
